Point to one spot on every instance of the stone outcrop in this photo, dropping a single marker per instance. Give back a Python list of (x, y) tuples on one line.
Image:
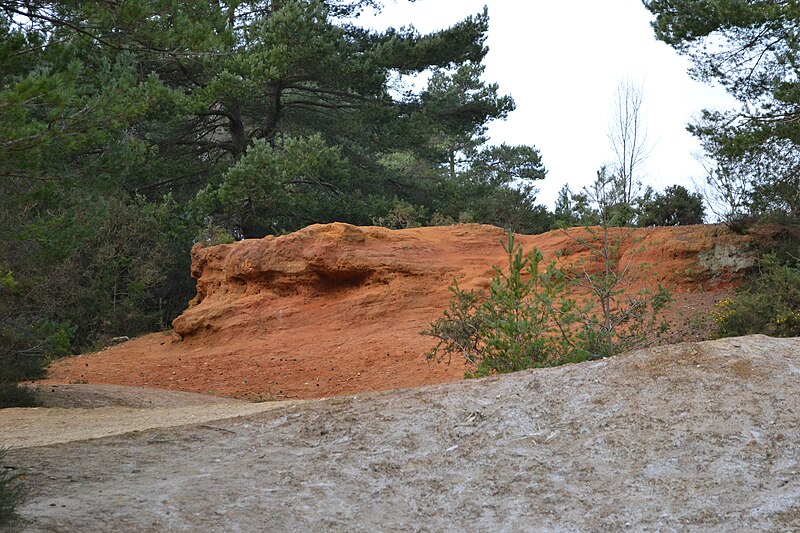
[(337, 309)]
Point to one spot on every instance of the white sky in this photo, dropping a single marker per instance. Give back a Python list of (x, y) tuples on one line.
[(562, 61)]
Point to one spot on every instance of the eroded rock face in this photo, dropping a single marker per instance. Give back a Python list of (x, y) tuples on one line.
[(338, 309), (325, 261), (319, 261)]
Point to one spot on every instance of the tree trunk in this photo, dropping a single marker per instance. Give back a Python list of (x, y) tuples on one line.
[(238, 136), (273, 114)]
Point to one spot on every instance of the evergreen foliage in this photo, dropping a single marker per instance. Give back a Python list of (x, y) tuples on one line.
[(511, 327), (573, 209), (131, 130), (769, 302), (676, 206), (539, 315), (750, 48)]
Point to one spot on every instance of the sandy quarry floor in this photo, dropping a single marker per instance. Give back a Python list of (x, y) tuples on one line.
[(82, 412), (693, 437)]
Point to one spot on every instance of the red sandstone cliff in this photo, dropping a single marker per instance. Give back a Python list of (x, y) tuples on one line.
[(337, 309)]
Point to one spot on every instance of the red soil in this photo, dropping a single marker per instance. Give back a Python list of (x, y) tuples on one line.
[(337, 309)]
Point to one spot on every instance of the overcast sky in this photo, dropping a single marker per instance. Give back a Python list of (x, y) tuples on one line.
[(562, 62)]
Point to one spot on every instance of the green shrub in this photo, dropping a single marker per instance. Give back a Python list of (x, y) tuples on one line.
[(212, 235), (507, 329), (769, 303), (13, 395), (401, 215), (529, 319), (25, 350), (613, 319), (676, 206)]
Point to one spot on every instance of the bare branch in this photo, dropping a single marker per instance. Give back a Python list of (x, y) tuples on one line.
[(628, 136)]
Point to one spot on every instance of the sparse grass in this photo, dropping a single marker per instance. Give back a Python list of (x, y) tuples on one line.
[(258, 397), (11, 492), (13, 395)]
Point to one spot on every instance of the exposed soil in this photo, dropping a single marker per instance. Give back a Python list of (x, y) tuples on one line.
[(337, 309), (692, 437)]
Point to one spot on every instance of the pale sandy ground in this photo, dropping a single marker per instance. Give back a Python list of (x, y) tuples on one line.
[(25, 428), (691, 437)]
